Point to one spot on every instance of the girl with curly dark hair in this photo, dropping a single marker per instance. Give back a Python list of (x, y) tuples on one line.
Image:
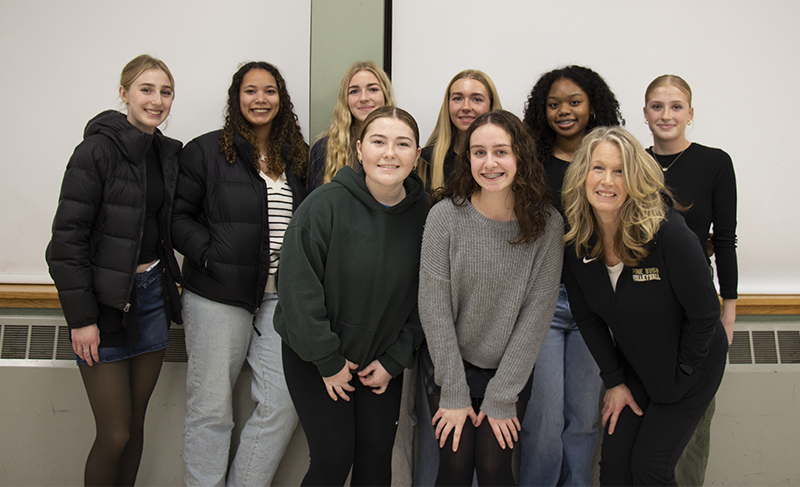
[(237, 190), (559, 432), (490, 265)]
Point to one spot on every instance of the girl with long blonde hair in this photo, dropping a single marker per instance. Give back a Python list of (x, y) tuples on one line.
[(470, 94), (364, 88)]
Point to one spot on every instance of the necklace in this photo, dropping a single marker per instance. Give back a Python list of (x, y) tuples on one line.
[(569, 159), (665, 169)]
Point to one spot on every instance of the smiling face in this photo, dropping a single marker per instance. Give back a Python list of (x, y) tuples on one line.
[(567, 109), (149, 99), (492, 158), (468, 100), (605, 183), (388, 152), (259, 99), (667, 112), (364, 94)]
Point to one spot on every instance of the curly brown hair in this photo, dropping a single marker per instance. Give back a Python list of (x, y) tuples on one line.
[(532, 200), (601, 100), (285, 128)]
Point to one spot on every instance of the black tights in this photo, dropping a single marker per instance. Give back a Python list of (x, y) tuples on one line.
[(478, 452), (118, 393)]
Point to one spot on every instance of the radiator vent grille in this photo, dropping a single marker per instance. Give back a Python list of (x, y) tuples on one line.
[(47, 342), (765, 347), (51, 342)]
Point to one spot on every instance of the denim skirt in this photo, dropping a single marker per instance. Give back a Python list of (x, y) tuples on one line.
[(153, 326)]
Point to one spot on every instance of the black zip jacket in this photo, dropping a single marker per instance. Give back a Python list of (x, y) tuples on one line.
[(99, 222), (221, 223), (664, 313)]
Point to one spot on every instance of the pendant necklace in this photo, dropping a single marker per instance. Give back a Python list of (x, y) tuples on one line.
[(665, 169)]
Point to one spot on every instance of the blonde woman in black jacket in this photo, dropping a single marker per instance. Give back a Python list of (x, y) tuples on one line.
[(633, 268), (112, 261)]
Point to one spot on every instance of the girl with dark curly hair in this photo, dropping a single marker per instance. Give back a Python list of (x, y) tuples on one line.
[(559, 432), (237, 190), (490, 266)]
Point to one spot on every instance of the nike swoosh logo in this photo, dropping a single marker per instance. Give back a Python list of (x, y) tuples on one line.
[(586, 261)]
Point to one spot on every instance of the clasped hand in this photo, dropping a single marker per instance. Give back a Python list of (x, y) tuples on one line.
[(373, 375)]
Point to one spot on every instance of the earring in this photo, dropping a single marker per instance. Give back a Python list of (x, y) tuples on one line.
[(592, 117), (690, 122), (646, 122)]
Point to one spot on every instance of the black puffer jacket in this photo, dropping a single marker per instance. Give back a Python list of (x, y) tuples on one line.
[(97, 229), (221, 224)]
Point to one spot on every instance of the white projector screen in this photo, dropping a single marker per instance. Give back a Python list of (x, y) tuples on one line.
[(60, 66)]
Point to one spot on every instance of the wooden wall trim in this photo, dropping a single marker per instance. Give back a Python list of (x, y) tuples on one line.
[(46, 296), (768, 304), (29, 296)]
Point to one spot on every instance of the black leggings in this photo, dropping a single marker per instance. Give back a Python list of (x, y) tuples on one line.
[(118, 393), (358, 433), (645, 449), (478, 452)]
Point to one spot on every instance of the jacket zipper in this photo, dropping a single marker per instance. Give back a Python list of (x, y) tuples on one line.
[(261, 253), (141, 225)]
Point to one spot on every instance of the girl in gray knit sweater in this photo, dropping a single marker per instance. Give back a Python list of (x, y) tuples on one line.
[(489, 278)]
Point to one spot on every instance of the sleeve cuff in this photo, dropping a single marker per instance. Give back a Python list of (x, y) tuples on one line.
[(613, 379), (330, 365)]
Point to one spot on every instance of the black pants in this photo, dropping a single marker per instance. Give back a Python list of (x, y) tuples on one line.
[(644, 449), (358, 433)]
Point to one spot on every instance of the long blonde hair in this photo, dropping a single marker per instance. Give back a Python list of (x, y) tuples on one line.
[(341, 150), (442, 134), (642, 212)]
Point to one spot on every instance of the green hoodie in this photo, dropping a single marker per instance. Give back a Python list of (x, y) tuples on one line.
[(349, 275)]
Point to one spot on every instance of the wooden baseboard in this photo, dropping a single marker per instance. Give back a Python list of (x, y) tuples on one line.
[(768, 304), (46, 296), (29, 296)]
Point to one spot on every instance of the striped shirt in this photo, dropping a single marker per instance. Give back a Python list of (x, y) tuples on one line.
[(279, 203)]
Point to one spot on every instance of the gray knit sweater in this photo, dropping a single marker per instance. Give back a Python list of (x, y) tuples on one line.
[(486, 301)]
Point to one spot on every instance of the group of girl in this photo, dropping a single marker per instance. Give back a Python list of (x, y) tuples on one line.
[(376, 276)]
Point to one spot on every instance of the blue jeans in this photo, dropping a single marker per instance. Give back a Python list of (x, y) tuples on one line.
[(559, 431), (219, 337)]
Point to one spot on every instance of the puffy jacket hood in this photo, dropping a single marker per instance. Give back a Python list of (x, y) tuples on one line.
[(131, 141), (356, 183)]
